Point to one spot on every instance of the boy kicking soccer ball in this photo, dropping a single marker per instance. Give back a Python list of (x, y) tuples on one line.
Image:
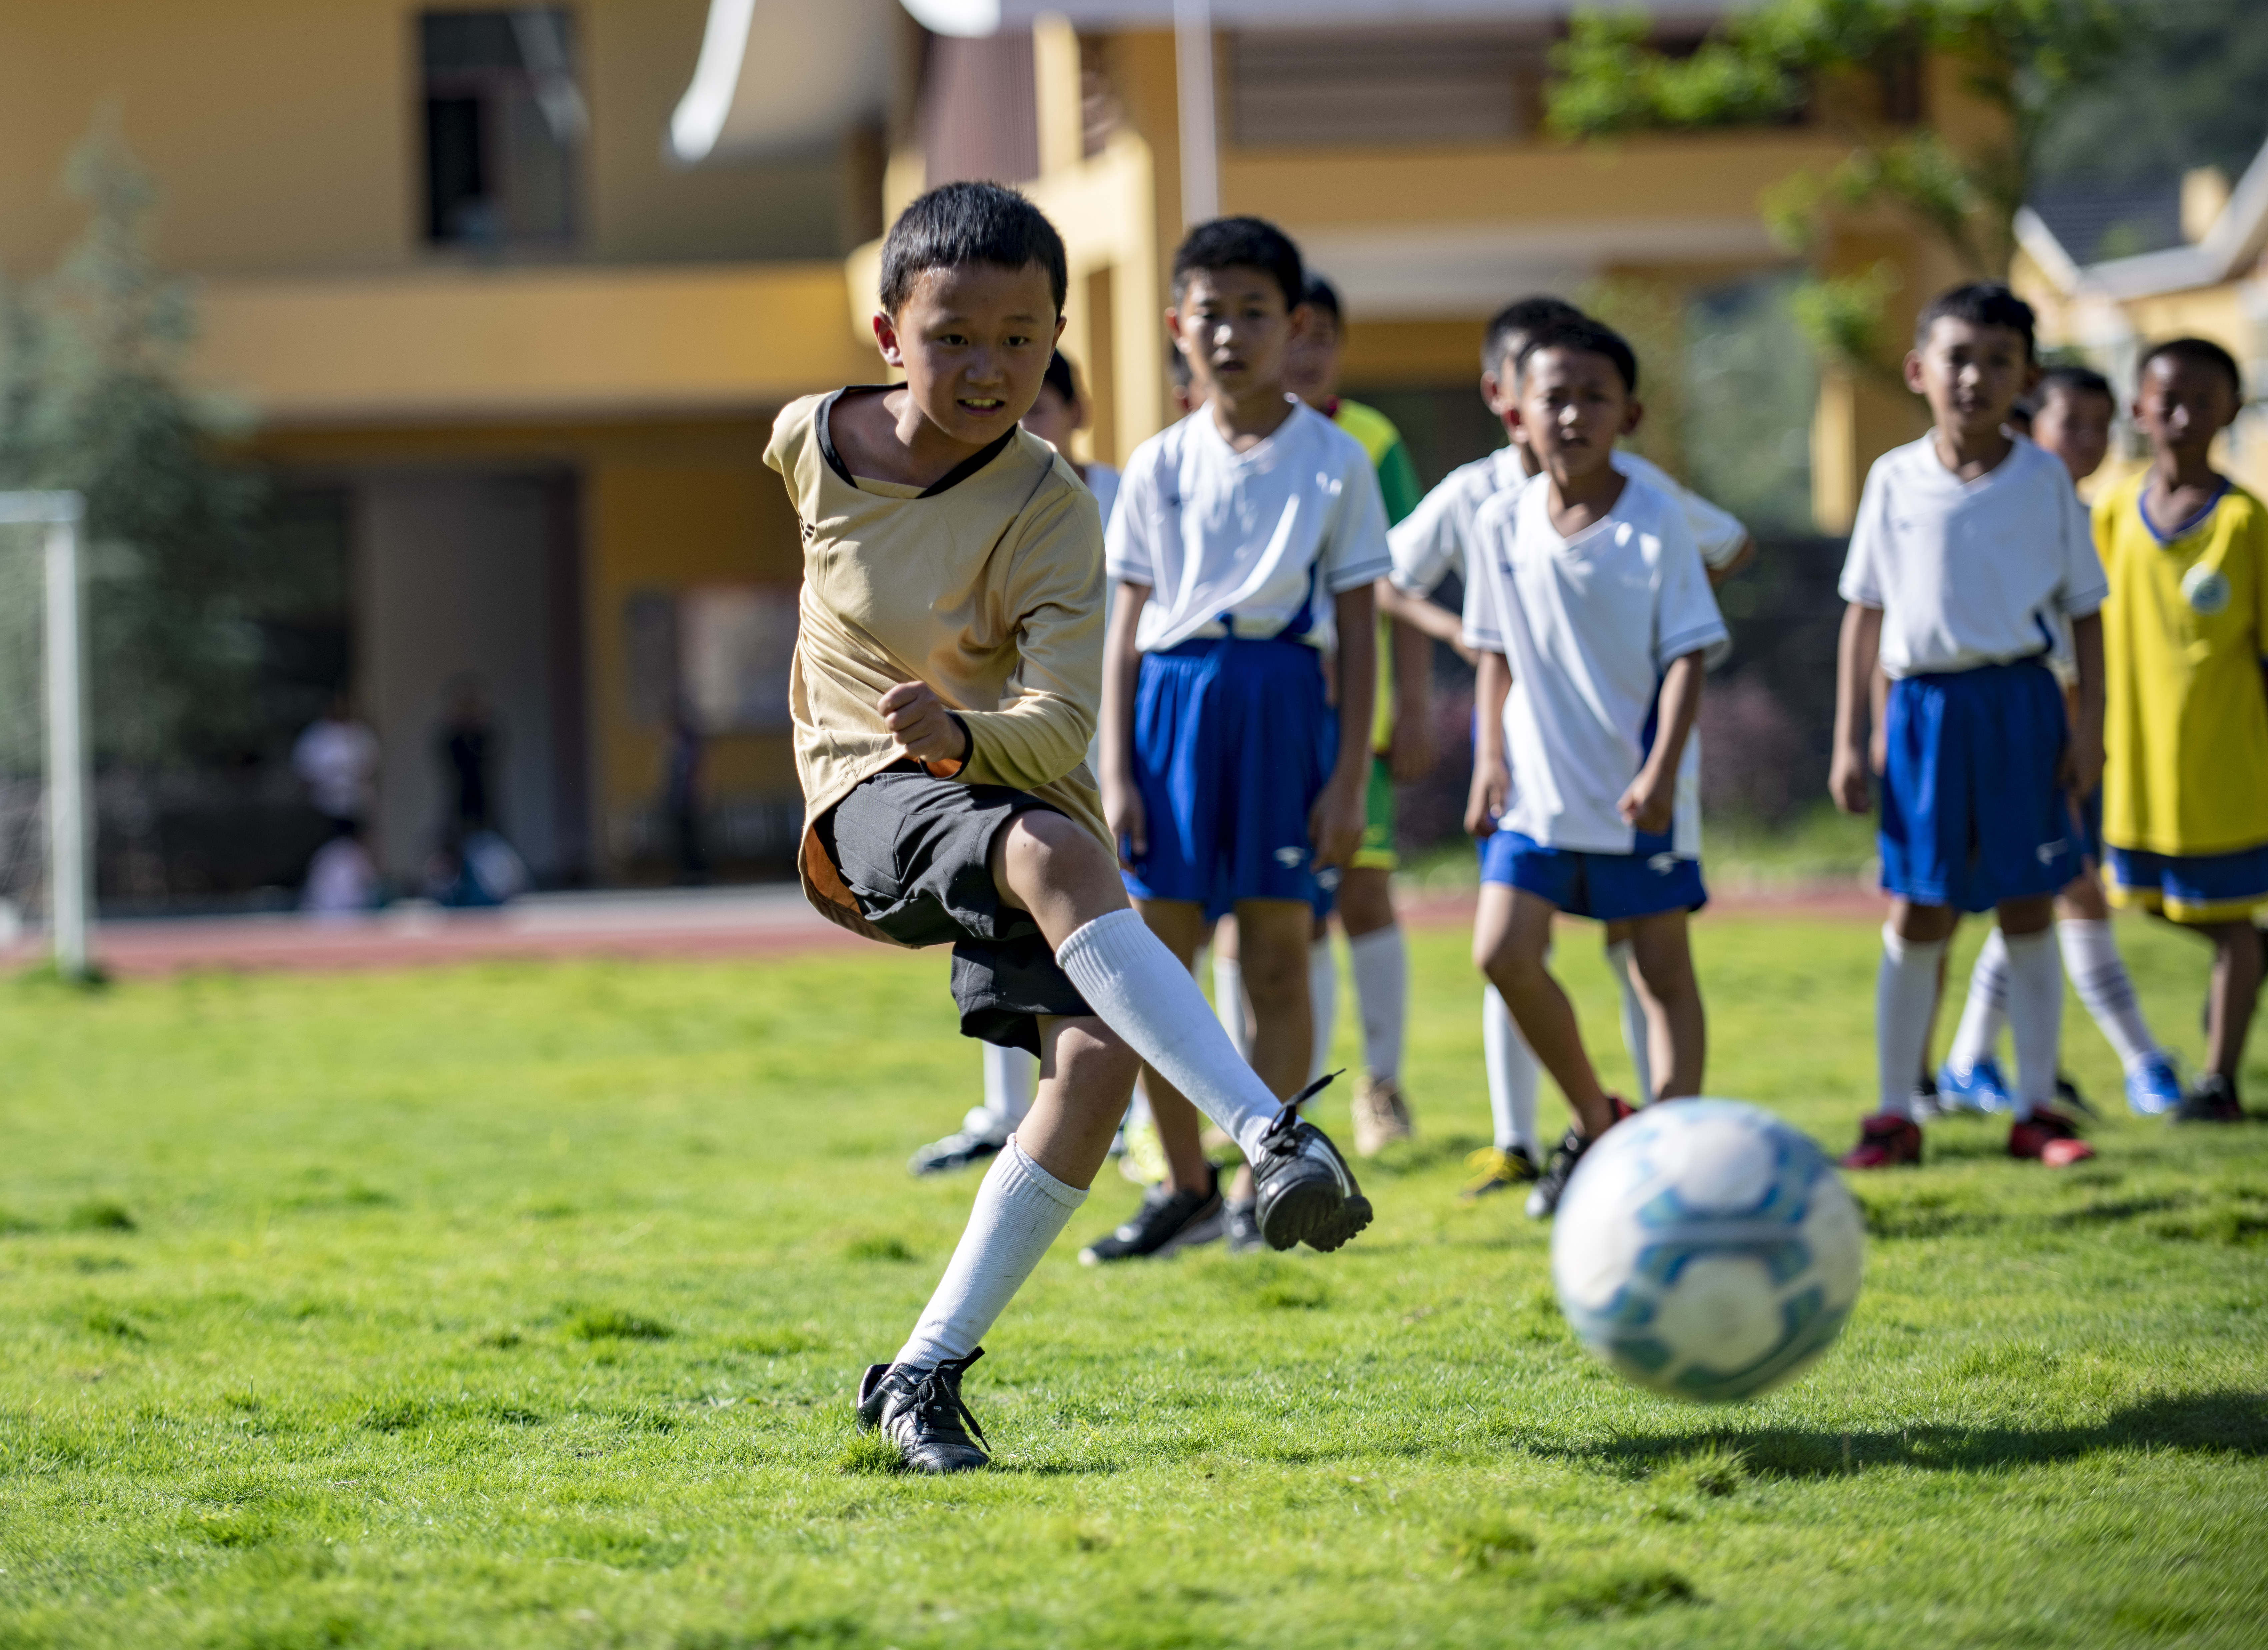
[(1590, 609), (945, 684), (1971, 547), (2185, 633)]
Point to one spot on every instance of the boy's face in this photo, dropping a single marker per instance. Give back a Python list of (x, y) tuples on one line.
[(2075, 427), (1234, 329), (1971, 374), (2183, 405), (1052, 418), (974, 341), (1573, 408), (1500, 389), (1311, 365)]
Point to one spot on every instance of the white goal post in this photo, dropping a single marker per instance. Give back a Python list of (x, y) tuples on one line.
[(70, 834)]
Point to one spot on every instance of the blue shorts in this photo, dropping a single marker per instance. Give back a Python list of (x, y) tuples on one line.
[(1971, 810), (1232, 743), (2190, 887), (1608, 888)]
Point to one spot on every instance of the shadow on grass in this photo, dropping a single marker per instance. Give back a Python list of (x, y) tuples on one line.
[(2234, 1422)]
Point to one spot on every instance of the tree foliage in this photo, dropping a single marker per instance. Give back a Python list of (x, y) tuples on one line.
[(90, 399), (1771, 65)]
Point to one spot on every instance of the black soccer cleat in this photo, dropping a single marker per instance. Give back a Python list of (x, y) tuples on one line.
[(981, 1136), (1544, 1202), (1242, 1224), (1167, 1221), (920, 1410), (2212, 1099), (1306, 1193)]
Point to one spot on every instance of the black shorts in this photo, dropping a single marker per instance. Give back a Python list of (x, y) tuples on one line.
[(915, 853)]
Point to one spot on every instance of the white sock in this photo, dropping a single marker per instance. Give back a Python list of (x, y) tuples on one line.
[(1513, 1077), (2035, 1017), (1008, 1077), (2098, 974), (1381, 994), (1905, 993), (1021, 1209), (1986, 1012), (1634, 1026), (1322, 1001), (1138, 989), (1230, 1003)]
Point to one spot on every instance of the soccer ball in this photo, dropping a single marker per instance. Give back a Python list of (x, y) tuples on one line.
[(1707, 1251)]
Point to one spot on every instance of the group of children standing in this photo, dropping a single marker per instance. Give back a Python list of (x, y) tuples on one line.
[(955, 674)]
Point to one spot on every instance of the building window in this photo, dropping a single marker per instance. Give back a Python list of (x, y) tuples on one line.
[(505, 123)]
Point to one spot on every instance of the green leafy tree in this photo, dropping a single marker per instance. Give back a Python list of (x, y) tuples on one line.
[(90, 399), (2022, 59)]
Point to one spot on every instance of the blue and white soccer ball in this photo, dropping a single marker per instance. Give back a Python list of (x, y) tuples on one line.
[(1707, 1251)]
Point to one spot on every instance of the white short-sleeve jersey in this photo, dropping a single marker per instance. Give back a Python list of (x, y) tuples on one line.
[(1971, 573), (1589, 626), (1256, 542), (1430, 542)]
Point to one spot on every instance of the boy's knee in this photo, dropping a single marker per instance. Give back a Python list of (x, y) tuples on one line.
[(1095, 1061)]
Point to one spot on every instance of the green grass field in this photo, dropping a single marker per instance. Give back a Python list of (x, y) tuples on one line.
[(521, 1305)]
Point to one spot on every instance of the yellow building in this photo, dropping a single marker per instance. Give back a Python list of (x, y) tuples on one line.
[(513, 293)]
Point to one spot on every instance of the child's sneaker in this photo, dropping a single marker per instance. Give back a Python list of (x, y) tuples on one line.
[(2212, 1100), (1979, 1087), (1381, 1116), (1552, 1185), (1885, 1141), (982, 1135), (2154, 1087), (1241, 1222), (2050, 1137), (1497, 1170), (1306, 1193), (1927, 1108), (920, 1410), (1167, 1221)]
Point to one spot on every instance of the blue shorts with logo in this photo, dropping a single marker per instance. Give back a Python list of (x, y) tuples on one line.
[(1606, 888), (1232, 743), (1971, 812), (2190, 887)]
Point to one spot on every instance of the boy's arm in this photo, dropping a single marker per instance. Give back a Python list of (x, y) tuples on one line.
[(1121, 668), (1492, 777), (1335, 822), (1738, 562), (1856, 651), (1412, 758), (2082, 752), (1650, 804)]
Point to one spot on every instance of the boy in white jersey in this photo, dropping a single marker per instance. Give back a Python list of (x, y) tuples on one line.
[(1969, 550), (1428, 545), (944, 683), (1244, 547), (1589, 606)]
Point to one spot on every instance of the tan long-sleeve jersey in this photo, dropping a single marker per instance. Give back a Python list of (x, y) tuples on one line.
[(987, 587)]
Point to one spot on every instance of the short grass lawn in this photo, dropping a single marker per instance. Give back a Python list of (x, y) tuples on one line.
[(522, 1305)]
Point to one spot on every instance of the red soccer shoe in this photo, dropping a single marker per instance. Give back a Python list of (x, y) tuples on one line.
[(2051, 1136), (1885, 1141)]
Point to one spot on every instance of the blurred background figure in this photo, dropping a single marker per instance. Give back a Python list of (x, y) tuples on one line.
[(474, 864), (681, 790), (1063, 409), (337, 757)]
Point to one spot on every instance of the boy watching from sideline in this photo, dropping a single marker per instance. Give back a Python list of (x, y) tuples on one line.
[(1059, 413), (1244, 547), (1434, 542), (943, 689), (2072, 408), (1590, 608), (2185, 644), (1971, 547)]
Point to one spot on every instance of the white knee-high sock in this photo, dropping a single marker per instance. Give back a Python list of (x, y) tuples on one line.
[(1141, 993), (1906, 992), (1230, 1003), (1513, 1077), (1009, 1074), (2098, 974), (1381, 995), (1322, 1001), (1021, 1209), (1634, 1025), (2035, 1017), (1986, 1012)]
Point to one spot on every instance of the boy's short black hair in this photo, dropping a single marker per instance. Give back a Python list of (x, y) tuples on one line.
[(2196, 352), (971, 223), (2071, 380), (1242, 243), (1321, 295), (1518, 319), (1980, 304), (1062, 377), (1589, 336)]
